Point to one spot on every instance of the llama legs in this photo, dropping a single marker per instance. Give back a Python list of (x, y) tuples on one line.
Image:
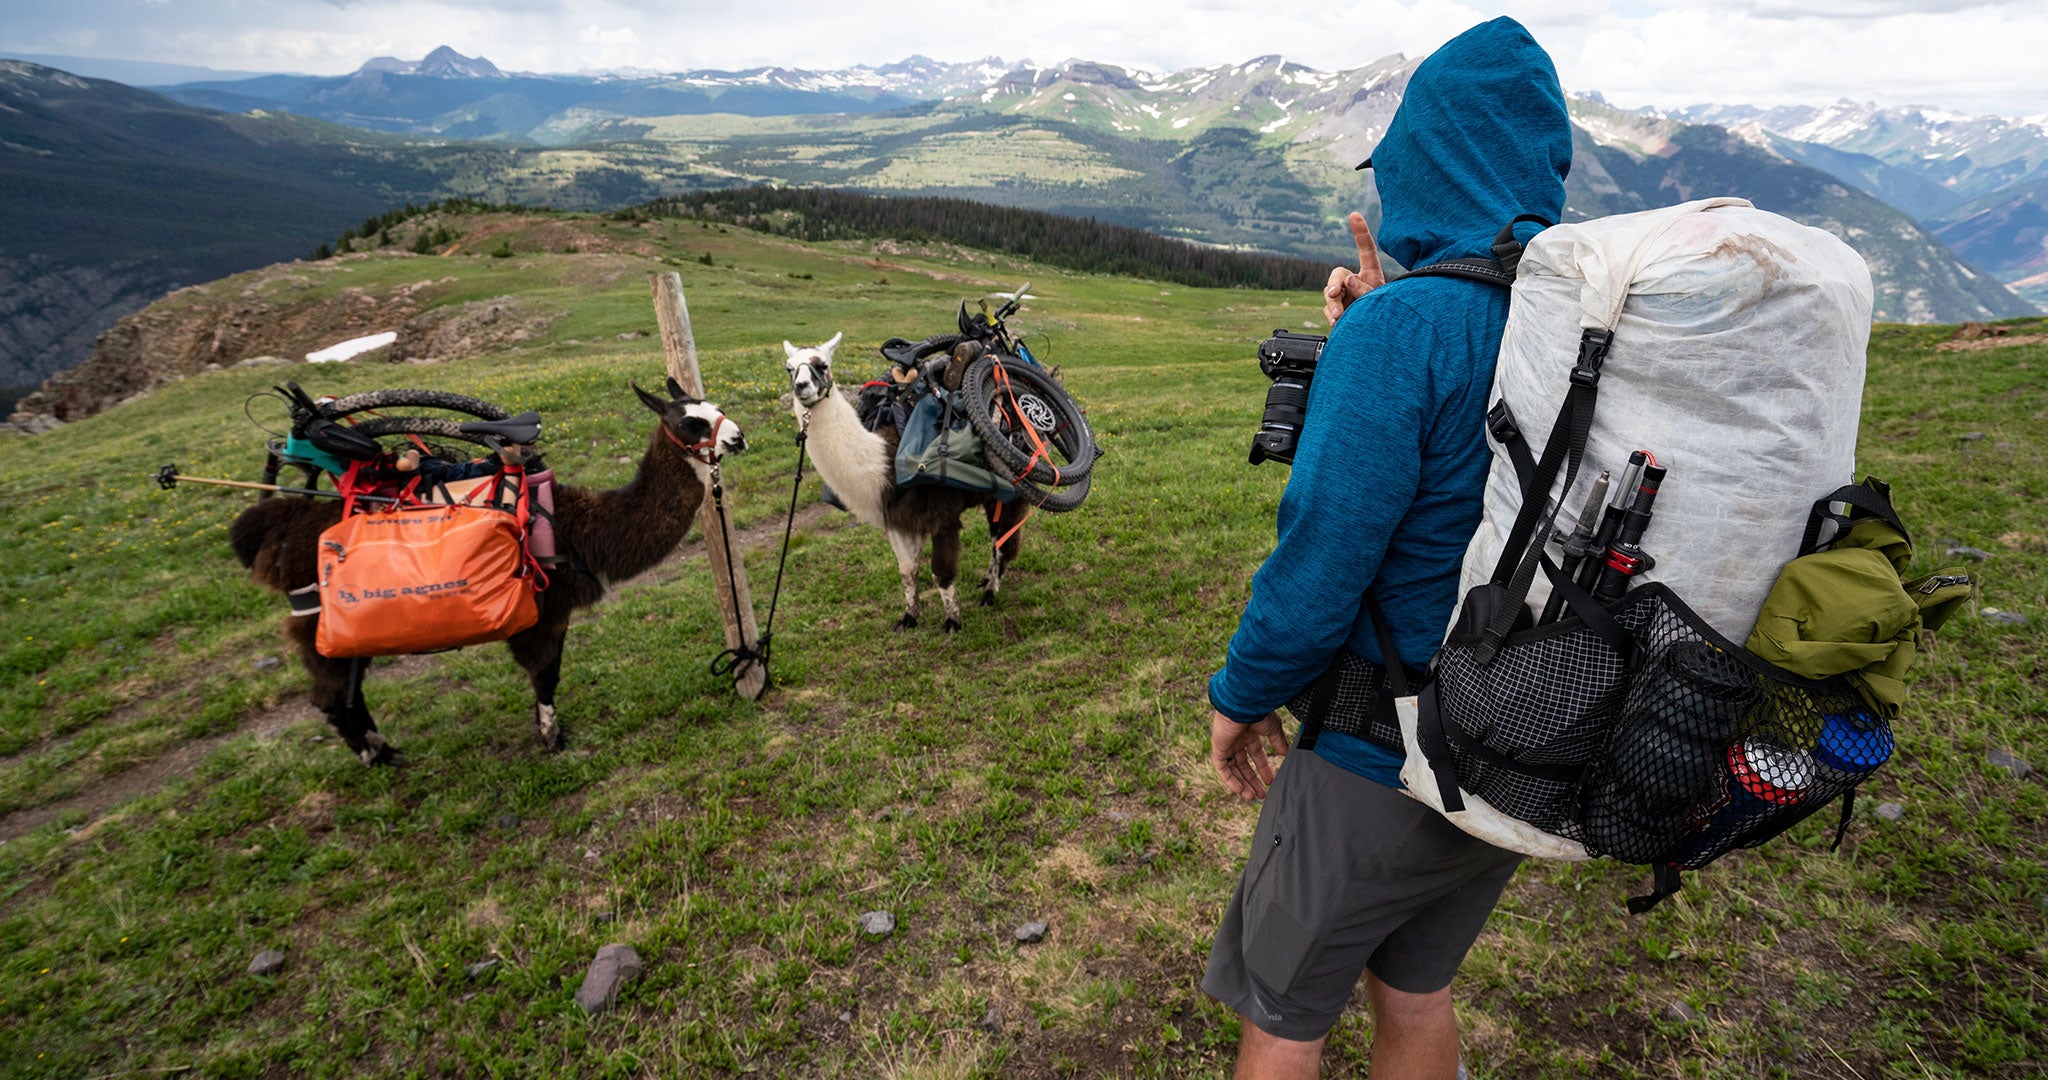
[(946, 569), (539, 651), (338, 692), (1000, 556), (908, 550)]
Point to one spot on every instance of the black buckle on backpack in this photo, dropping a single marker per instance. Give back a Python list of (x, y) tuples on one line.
[(1593, 346), (1500, 423)]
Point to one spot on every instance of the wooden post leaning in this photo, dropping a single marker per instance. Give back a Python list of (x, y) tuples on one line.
[(735, 601)]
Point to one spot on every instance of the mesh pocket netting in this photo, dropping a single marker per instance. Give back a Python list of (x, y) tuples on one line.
[(1696, 748), (1354, 707)]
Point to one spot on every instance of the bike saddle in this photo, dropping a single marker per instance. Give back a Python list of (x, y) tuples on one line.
[(524, 428), (901, 352)]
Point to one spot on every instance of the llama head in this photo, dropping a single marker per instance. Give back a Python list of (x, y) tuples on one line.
[(810, 370), (697, 426)]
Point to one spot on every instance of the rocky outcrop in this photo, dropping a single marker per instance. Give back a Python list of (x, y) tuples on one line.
[(281, 311), (472, 329)]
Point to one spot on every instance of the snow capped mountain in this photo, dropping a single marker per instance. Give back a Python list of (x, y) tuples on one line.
[(1972, 156)]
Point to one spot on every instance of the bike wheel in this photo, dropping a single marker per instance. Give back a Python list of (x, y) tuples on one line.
[(413, 399), (1054, 500), (1000, 407), (439, 427)]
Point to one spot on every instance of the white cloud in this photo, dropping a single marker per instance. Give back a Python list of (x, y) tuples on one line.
[(1960, 54)]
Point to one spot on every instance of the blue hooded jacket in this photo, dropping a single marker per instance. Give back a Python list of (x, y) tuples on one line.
[(1387, 477)]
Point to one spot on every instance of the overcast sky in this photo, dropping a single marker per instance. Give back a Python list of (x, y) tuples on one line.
[(1974, 57)]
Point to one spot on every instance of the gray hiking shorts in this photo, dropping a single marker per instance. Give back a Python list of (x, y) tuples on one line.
[(1347, 875)]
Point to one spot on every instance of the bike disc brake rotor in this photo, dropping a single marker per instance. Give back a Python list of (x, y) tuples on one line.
[(1039, 413)]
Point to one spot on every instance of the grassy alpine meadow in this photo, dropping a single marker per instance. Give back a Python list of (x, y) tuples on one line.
[(169, 806)]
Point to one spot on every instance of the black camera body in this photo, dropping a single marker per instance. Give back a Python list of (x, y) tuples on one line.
[(1289, 359)]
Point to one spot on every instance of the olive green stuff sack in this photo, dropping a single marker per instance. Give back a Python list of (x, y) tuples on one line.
[(1846, 611)]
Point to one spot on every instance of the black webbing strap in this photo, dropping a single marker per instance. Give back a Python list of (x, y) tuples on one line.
[(304, 601), (1390, 656), (1589, 611), (1429, 725), (1431, 737), (1500, 423), (1872, 497), (1842, 825), (1320, 697), (1575, 423), (1665, 881)]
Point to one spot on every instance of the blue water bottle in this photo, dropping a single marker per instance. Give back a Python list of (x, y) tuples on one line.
[(1850, 748)]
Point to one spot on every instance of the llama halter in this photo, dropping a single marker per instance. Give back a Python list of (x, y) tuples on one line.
[(705, 449)]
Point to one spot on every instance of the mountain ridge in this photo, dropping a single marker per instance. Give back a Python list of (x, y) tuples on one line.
[(1255, 155)]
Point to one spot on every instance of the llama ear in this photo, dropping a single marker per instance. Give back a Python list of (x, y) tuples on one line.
[(659, 406), (675, 390), (828, 347), (789, 349)]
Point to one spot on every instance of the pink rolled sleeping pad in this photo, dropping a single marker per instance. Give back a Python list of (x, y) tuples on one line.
[(540, 526)]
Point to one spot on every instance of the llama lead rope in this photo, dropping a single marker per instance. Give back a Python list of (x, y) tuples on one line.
[(736, 659)]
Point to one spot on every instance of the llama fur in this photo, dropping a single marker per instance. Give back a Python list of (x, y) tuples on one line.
[(860, 467), (603, 536)]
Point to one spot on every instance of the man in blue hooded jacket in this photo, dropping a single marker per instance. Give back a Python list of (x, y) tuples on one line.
[(1347, 875)]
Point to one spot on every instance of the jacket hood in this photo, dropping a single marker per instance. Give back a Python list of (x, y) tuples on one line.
[(1481, 137)]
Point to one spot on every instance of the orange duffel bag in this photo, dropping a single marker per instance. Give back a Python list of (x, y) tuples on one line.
[(418, 578)]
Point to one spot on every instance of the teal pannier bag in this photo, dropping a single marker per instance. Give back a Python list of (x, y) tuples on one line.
[(936, 445)]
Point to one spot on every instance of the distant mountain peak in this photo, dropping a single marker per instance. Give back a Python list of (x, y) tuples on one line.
[(442, 63)]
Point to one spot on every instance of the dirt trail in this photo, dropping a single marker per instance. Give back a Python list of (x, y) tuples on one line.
[(106, 793)]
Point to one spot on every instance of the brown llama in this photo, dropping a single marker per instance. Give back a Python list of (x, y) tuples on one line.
[(604, 537), (860, 466)]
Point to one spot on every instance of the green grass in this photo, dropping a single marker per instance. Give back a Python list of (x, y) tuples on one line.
[(1048, 762)]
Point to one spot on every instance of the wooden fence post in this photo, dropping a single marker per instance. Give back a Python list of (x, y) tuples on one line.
[(735, 601)]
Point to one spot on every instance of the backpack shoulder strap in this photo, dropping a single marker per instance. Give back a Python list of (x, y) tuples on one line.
[(1496, 270)]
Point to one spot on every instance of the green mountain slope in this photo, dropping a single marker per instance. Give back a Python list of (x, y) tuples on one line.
[(170, 805)]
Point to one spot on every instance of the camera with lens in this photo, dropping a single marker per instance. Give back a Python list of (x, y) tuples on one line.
[(1289, 359)]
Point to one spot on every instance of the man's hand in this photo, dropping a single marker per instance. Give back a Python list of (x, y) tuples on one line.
[(1238, 752), (1346, 286)]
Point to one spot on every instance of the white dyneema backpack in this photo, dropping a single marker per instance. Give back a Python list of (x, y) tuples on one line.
[(1726, 345)]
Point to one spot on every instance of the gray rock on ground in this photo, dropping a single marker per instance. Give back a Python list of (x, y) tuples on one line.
[(268, 663), (613, 967), (1965, 551), (507, 822), (2019, 767), (878, 924), (34, 423), (267, 962), (1031, 933), (482, 968), (1891, 811), (992, 1021), (2005, 618), (1678, 1012)]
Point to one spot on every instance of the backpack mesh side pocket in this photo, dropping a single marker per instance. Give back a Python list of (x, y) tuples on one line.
[(1714, 749)]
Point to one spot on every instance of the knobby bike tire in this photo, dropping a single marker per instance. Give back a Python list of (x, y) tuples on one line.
[(414, 399), (437, 426), (1070, 435), (1052, 500)]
